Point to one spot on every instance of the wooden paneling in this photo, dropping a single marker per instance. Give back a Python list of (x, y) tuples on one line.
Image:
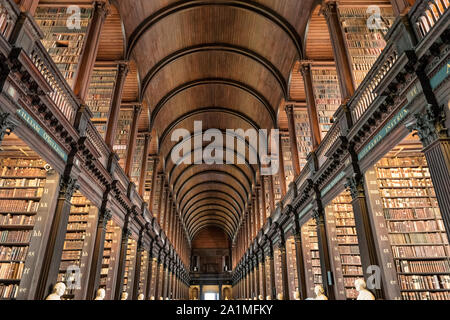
[(211, 238), (318, 43)]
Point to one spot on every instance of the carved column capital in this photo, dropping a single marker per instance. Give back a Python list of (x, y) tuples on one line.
[(104, 216), (103, 8), (289, 109), (123, 68), (430, 125), (318, 216), (355, 185), (67, 186), (328, 8), (7, 124)]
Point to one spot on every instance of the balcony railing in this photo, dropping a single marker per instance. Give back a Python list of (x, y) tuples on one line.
[(425, 14), (8, 18)]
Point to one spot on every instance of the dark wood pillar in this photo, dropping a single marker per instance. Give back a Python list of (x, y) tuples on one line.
[(158, 270), (147, 139), (256, 268), (149, 271), (401, 6), (163, 279), (55, 243), (115, 105), (430, 126), (132, 139), (263, 201), (7, 124), (122, 262), (293, 140), (301, 271), (281, 170), (263, 275), (341, 56), (324, 252), (97, 255), (316, 135), (154, 178), (273, 294), (89, 54), (284, 273), (271, 194), (137, 269), (258, 209)]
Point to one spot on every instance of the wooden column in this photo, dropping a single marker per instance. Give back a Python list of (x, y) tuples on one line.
[(163, 280), (256, 268), (313, 117), (132, 139), (122, 262), (258, 209), (263, 195), (324, 252), (401, 6), (115, 105), (341, 56), (158, 269), (284, 273), (281, 171), (162, 199), (263, 275), (97, 257), (273, 294), (293, 140), (28, 5), (430, 126), (149, 271), (7, 125), (147, 139), (301, 271), (154, 178), (137, 268), (366, 239), (271, 194), (55, 243), (89, 54)]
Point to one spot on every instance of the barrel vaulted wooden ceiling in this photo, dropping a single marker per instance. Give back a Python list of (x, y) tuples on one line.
[(227, 63)]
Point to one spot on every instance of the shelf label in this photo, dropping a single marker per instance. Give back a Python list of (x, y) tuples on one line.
[(42, 133), (384, 132), (332, 183)]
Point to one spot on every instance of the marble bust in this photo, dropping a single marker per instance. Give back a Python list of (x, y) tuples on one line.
[(320, 293), (361, 287), (58, 291)]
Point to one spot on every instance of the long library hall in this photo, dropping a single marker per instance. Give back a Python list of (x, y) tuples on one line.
[(224, 150)]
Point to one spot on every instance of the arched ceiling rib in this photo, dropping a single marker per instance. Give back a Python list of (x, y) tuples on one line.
[(226, 63)]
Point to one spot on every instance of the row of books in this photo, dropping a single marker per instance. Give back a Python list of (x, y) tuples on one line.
[(22, 172), (20, 236), (21, 193), (409, 202), (436, 266), (393, 173), (18, 162), (412, 192), (8, 291), (444, 295), (418, 238), (11, 270), (416, 226), (420, 251), (405, 183), (417, 282), (19, 205), (8, 220), (9, 183), (402, 161), (8, 253)]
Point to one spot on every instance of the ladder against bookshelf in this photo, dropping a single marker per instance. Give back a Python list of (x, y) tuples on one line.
[(327, 95), (100, 94), (111, 252), (26, 189), (130, 263), (344, 248), (123, 135), (364, 36), (78, 247), (416, 232), (291, 258), (310, 246), (63, 39), (303, 133)]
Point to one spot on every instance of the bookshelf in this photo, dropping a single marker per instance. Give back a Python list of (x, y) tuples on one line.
[(310, 245), (303, 134), (148, 180), (267, 184), (327, 95), (130, 264), (26, 188), (123, 135), (100, 94), (364, 45), (77, 248), (110, 257), (63, 42), (278, 272), (344, 246), (154, 266), (291, 258), (415, 228), (269, 288), (276, 188), (136, 164), (287, 156), (143, 273)]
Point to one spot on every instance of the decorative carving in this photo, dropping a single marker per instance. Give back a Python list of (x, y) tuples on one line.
[(355, 185), (104, 217), (102, 8), (328, 8), (318, 216), (7, 124), (430, 125), (67, 186)]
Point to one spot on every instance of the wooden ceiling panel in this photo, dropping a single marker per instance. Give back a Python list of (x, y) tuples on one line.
[(112, 42), (296, 85), (318, 43)]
